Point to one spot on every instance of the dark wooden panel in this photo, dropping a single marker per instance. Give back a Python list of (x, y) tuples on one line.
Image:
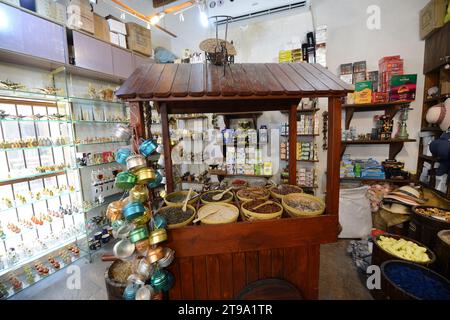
[(293, 144), (291, 266), (162, 88), (175, 292), (289, 87), (240, 78), (180, 86), (226, 275), (258, 235), (200, 278), (334, 85), (197, 80), (277, 263), (151, 79), (252, 266), (312, 272), (92, 54), (187, 274), (122, 62), (136, 78), (258, 84), (239, 275), (437, 47), (274, 87), (308, 76), (213, 276), (299, 81), (348, 87), (213, 80), (228, 86), (265, 264)]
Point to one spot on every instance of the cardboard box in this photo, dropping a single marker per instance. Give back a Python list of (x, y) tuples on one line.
[(403, 87), (363, 92), (122, 41), (114, 38), (80, 7), (139, 38), (116, 26), (81, 23), (60, 13), (432, 17), (101, 28), (45, 8)]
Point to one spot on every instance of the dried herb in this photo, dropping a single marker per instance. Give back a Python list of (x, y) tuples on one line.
[(209, 196), (175, 215)]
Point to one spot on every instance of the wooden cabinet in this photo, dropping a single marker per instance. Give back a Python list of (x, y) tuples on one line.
[(28, 34), (139, 60), (123, 64), (437, 48), (92, 54)]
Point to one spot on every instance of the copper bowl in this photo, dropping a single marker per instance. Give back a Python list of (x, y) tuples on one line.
[(114, 210), (155, 254), (142, 246), (136, 162), (145, 175)]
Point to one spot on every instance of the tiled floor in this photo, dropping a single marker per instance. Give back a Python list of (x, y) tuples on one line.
[(339, 279)]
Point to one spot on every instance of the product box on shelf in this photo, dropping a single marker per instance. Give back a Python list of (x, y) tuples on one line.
[(285, 56), (139, 38), (363, 92), (403, 87), (101, 28), (115, 25), (380, 97), (374, 77), (80, 16), (267, 170), (432, 17), (118, 39)]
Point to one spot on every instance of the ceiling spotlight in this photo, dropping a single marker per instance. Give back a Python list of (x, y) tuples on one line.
[(204, 19), (155, 19), (181, 17), (149, 26), (122, 16)]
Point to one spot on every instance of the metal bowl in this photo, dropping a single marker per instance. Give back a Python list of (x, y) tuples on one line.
[(144, 293), (136, 162), (157, 181), (123, 249), (138, 234), (122, 154), (145, 175), (148, 147), (124, 231), (133, 210), (123, 132), (114, 211), (169, 256), (125, 180), (155, 254), (144, 268), (158, 236), (139, 193)]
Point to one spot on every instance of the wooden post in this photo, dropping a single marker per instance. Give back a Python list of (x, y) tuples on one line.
[(167, 147), (334, 155), (293, 144), (137, 118)]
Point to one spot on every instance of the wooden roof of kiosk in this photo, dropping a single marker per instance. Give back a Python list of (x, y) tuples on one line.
[(218, 261)]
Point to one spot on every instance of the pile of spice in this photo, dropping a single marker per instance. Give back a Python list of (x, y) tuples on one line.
[(253, 193), (284, 189), (267, 208), (417, 282), (435, 213), (304, 205), (175, 215), (209, 196), (120, 271), (404, 249)]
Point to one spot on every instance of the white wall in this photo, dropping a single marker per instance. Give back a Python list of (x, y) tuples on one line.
[(349, 40)]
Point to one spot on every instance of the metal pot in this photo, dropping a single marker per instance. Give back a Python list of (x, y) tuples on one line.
[(145, 175), (133, 210), (155, 254), (159, 221), (123, 249), (122, 154), (142, 220), (123, 132), (169, 255), (148, 147), (161, 280), (144, 293), (125, 180), (144, 268), (136, 162), (138, 234), (157, 181), (139, 193), (124, 231), (158, 236), (114, 210), (142, 246)]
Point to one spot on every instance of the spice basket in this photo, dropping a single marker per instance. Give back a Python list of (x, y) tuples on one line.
[(279, 196), (233, 202), (379, 255), (250, 215), (227, 200), (294, 212), (180, 193), (243, 199), (181, 224)]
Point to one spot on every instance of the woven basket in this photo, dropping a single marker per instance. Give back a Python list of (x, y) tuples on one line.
[(241, 198), (177, 193), (207, 208), (280, 196), (181, 224), (250, 215), (294, 212), (213, 46), (227, 197)]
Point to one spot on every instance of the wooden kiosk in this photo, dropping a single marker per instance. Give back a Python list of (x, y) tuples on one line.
[(218, 261)]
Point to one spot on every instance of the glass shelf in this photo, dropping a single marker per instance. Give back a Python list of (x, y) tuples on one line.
[(42, 253), (40, 200), (95, 101), (38, 147), (96, 165), (34, 120), (99, 121), (38, 278), (94, 143), (35, 176), (31, 95), (108, 200)]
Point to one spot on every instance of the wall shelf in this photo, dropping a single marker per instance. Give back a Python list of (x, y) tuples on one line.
[(395, 145), (8, 181), (37, 148), (406, 181), (40, 200)]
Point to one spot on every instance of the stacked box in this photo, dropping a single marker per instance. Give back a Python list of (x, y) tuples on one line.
[(267, 170), (403, 88), (117, 31), (359, 71), (388, 67), (363, 92), (284, 151), (285, 56), (139, 38), (80, 16), (240, 155), (373, 76), (297, 55), (101, 28), (316, 123)]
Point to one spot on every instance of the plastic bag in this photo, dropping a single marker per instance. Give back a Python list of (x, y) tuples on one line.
[(355, 215)]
